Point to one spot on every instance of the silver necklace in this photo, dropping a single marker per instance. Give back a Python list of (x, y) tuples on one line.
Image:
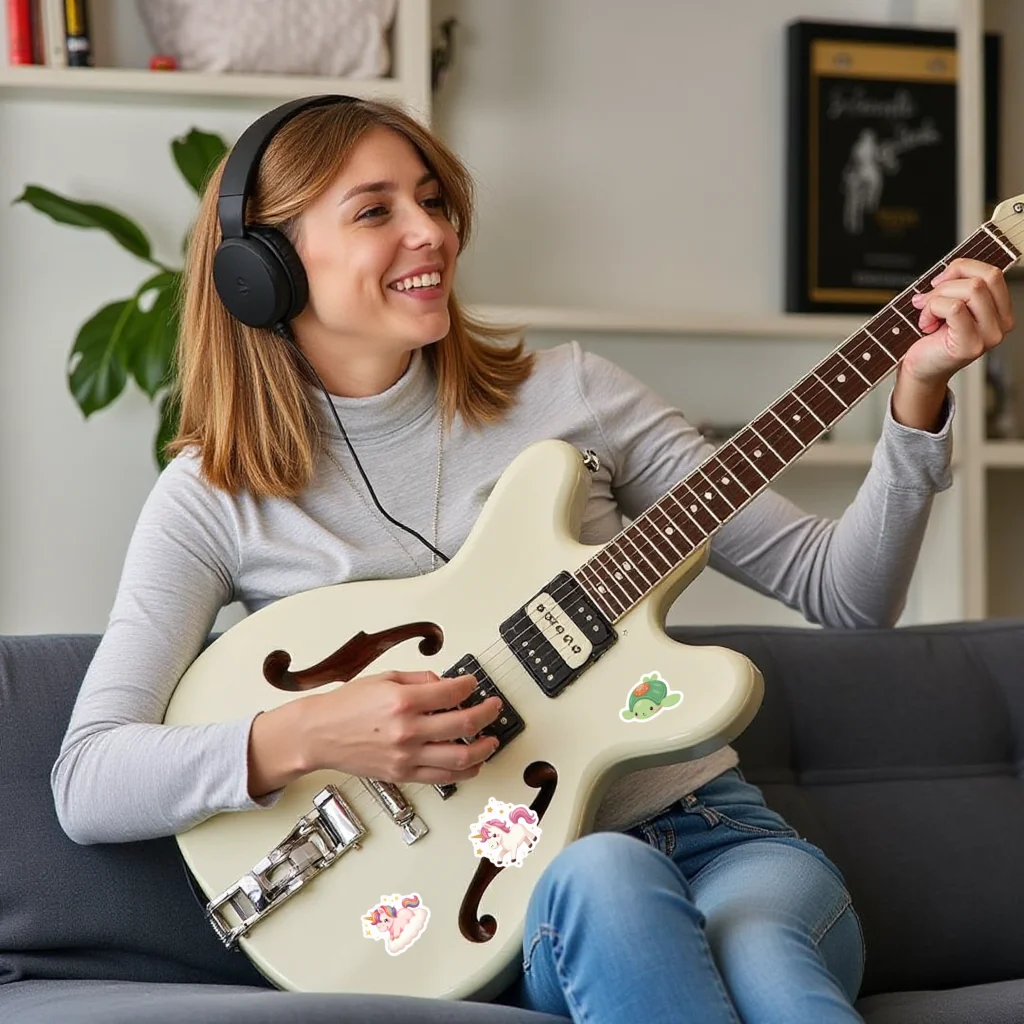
[(375, 512)]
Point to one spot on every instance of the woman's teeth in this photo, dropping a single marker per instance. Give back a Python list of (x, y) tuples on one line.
[(418, 281)]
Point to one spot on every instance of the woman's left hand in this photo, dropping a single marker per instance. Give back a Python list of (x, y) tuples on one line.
[(967, 313)]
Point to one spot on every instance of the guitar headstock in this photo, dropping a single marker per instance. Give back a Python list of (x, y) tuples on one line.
[(1008, 216)]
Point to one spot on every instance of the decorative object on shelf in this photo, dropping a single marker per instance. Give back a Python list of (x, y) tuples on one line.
[(163, 62), (335, 38), (871, 176), (442, 54), (1000, 415), (135, 336)]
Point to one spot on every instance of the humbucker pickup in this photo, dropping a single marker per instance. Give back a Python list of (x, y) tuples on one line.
[(558, 634), (509, 723)]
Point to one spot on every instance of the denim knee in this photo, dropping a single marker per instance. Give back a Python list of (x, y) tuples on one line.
[(602, 870)]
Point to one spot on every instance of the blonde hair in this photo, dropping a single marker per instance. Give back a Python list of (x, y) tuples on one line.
[(242, 392)]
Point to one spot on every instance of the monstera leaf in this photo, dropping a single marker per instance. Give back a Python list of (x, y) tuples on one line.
[(135, 337)]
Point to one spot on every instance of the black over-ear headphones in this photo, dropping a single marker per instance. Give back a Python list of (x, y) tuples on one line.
[(256, 270)]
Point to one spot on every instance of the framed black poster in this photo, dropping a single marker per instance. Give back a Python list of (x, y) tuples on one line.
[(871, 166)]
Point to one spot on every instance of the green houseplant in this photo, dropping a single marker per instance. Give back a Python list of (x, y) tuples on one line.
[(133, 337)]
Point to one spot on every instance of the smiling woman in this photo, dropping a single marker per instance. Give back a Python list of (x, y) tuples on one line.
[(320, 293)]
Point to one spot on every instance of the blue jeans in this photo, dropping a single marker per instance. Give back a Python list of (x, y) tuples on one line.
[(713, 911)]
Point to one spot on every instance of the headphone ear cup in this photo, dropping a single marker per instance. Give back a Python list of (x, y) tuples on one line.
[(260, 278)]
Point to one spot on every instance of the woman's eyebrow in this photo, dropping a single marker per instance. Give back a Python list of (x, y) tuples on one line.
[(383, 186)]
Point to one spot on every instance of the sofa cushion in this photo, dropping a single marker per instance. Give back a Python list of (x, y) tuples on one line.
[(98, 1002), (899, 752), (66, 911), (1001, 1003)]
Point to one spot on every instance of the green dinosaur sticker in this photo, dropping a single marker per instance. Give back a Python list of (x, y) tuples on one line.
[(647, 698)]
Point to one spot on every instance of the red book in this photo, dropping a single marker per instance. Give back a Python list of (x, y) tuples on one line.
[(19, 32)]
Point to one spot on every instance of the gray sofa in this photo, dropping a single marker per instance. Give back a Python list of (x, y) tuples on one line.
[(900, 752)]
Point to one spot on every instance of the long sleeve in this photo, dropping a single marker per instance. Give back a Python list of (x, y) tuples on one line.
[(852, 571), (122, 775)]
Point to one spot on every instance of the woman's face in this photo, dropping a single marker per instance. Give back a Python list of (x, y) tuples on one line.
[(379, 253)]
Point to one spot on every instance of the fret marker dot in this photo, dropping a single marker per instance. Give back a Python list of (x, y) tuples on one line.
[(669, 531), (618, 575), (707, 494), (693, 508), (796, 417), (841, 378), (757, 453), (725, 479), (895, 330), (866, 356), (600, 588), (626, 566)]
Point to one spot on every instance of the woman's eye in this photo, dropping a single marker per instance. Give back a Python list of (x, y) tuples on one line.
[(372, 212), (434, 203)]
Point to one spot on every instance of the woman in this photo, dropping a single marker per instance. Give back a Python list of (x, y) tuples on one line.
[(718, 912)]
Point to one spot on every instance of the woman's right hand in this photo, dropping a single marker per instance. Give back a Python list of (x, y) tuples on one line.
[(393, 726), (397, 727)]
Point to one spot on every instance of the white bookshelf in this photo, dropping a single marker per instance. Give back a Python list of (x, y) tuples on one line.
[(408, 83)]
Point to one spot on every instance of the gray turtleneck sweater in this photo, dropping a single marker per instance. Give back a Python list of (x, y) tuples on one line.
[(122, 775)]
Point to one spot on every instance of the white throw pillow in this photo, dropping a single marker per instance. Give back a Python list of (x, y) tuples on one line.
[(343, 38)]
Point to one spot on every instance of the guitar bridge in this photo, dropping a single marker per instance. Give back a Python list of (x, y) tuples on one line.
[(317, 841)]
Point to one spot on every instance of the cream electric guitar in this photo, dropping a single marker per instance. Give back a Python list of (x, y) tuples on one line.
[(355, 885)]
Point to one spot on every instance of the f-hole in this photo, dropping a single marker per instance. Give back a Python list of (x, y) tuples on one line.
[(538, 775)]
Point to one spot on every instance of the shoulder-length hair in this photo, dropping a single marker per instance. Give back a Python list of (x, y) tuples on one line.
[(243, 394)]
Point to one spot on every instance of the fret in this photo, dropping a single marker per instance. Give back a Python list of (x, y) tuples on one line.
[(677, 525), (1008, 246), (764, 461), (712, 495), (846, 386), (669, 530), (585, 577), (894, 359), (629, 564), (727, 481), (764, 452), (810, 409), (790, 410), (825, 403), (645, 528), (853, 366), (733, 462), (999, 242), (647, 550), (871, 360), (613, 575), (785, 426), (782, 442), (695, 509), (601, 564)]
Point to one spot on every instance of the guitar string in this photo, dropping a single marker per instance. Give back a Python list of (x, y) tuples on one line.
[(497, 674)]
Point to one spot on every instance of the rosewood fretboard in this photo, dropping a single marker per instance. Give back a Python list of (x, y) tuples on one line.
[(629, 566)]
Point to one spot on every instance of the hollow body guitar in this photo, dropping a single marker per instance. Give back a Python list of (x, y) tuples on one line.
[(356, 885)]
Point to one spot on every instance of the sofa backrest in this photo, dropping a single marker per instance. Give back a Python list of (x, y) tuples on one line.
[(901, 754), (124, 912)]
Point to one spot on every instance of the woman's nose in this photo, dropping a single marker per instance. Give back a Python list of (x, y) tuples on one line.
[(424, 229)]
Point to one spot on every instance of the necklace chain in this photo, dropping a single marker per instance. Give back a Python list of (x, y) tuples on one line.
[(375, 512)]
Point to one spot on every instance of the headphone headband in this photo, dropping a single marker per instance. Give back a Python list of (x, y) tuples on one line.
[(243, 162), (256, 271)]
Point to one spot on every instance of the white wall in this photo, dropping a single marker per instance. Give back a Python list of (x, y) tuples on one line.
[(627, 155)]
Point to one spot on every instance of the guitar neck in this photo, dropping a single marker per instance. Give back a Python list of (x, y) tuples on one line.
[(633, 563)]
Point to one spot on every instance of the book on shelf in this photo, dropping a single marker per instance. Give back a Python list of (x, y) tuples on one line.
[(51, 32)]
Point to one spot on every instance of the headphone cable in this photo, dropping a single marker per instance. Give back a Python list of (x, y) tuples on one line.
[(283, 330)]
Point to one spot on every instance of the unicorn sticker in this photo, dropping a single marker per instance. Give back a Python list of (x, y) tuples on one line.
[(505, 833), (398, 920)]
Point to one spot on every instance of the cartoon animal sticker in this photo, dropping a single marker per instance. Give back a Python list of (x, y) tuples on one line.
[(647, 698), (398, 920), (505, 833)]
